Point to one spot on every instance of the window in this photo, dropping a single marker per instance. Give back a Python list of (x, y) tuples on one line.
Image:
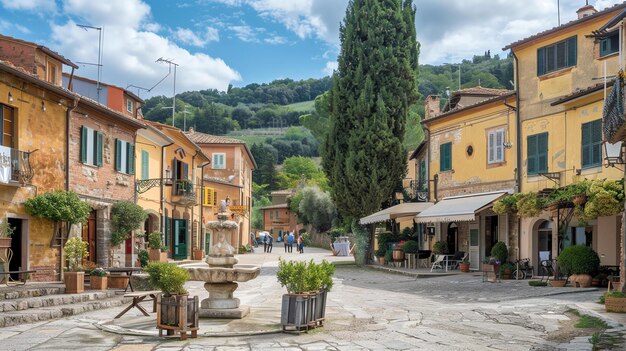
[(592, 144), (145, 165), (610, 44), (445, 157), (277, 212), (556, 56), (495, 147), (7, 126), (124, 157), (219, 161), (537, 153), (208, 197), (90, 146), (129, 105)]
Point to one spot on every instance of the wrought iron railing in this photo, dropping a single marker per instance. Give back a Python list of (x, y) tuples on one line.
[(184, 191), (19, 164), (417, 191)]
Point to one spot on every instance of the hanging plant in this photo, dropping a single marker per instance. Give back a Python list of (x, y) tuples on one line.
[(507, 204), (605, 198), (529, 205)]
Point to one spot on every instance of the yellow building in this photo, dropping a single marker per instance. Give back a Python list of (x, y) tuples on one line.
[(183, 162), (472, 163), (228, 177), (33, 154), (558, 75)]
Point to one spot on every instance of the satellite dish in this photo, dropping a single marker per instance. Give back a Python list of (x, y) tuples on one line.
[(230, 178)]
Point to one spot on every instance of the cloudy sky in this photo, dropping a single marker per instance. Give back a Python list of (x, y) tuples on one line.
[(221, 42)]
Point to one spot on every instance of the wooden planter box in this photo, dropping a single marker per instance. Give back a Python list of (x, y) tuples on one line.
[(398, 255), (74, 282), (293, 312), (98, 283), (5, 243), (177, 313), (319, 314), (118, 281), (615, 304), (158, 256)]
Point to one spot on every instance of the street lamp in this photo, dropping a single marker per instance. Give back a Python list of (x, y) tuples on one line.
[(614, 153)]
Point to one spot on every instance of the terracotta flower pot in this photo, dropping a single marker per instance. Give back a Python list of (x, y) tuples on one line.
[(464, 267), (580, 280), (381, 260), (558, 283), (5, 243)]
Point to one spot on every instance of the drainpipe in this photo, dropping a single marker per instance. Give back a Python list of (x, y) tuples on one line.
[(163, 188), (193, 167), (427, 136), (67, 144), (202, 243), (518, 135)]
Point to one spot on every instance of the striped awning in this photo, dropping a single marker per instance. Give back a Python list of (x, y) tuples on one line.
[(409, 209), (459, 208)]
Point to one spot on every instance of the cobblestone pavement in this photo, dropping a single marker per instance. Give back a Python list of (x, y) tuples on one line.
[(367, 310)]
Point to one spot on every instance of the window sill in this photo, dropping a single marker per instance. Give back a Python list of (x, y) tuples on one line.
[(591, 170), (90, 165), (555, 74), (447, 171), (496, 164), (608, 56)]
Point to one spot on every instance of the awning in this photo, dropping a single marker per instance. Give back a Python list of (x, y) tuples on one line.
[(409, 209), (458, 208)]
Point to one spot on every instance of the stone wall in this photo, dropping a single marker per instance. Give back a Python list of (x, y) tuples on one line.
[(322, 240)]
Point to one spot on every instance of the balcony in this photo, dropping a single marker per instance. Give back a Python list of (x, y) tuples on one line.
[(417, 191), (17, 163), (183, 193)]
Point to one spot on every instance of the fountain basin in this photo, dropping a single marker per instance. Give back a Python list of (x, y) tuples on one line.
[(239, 273)]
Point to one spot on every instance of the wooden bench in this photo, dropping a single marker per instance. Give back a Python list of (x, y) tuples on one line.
[(138, 297), (21, 276)]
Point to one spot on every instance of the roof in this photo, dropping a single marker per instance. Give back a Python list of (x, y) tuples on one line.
[(173, 129), (418, 149), (408, 209), (203, 138), (220, 181), (272, 207), (465, 108), (581, 92), (282, 192), (459, 208), (566, 25), (478, 90), (613, 21), (31, 78), (45, 49), (128, 92)]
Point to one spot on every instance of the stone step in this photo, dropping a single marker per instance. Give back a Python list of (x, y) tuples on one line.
[(11, 294), (33, 315), (52, 300)]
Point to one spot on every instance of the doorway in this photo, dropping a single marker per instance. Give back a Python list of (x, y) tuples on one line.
[(491, 233), (474, 247), (89, 236), (452, 238), (180, 239), (16, 246), (544, 242)]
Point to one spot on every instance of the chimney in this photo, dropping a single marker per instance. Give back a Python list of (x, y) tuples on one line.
[(585, 11), (190, 130), (431, 106)]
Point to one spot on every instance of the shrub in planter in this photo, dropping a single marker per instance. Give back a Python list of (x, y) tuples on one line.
[(98, 279), (500, 252), (75, 250), (156, 247), (506, 270), (144, 258), (168, 277), (411, 247), (440, 247), (615, 301), (580, 262)]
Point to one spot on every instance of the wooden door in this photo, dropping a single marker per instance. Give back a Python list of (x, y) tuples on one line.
[(474, 247), (89, 236)]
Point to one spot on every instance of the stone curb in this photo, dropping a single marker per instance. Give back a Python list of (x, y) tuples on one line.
[(114, 329), (409, 274)]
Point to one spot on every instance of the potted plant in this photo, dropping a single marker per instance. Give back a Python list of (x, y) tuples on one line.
[(307, 284), (558, 281), (176, 311), (464, 265), (156, 247), (410, 248), (615, 301), (491, 265), (380, 253), (144, 258), (440, 247), (98, 279), (388, 256), (75, 250), (580, 262), (6, 231), (506, 270), (500, 252), (529, 205)]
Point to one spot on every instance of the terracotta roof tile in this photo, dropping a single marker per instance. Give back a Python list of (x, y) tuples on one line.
[(202, 138), (478, 90)]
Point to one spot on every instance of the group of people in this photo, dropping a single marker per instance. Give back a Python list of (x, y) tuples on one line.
[(290, 241)]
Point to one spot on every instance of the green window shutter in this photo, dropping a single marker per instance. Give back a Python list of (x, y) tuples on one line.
[(586, 145), (596, 135), (168, 224), (118, 155), (445, 157), (542, 152), (83, 144), (604, 47), (130, 158), (571, 51), (541, 53), (591, 152), (145, 165), (185, 171), (98, 151), (531, 154)]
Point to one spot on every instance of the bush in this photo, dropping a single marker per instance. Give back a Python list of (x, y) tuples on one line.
[(410, 246), (154, 240), (537, 283), (440, 247), (507, 266), (167, 277), (301, 277), (500, 252), (384, 239), (144, 258), (406, 233), (388, 255), (578, 259), (125, 217), (75, 250), (529, 205)]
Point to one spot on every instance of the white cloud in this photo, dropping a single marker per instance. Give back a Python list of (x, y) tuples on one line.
[(6, 27), (29, 5), (187, 36), (276, 40), (330, 67), (130, 49), (245, 33)]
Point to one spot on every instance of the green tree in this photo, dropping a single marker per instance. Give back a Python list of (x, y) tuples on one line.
[(315, 207), (125, 217), (266, 161), (363, 156), (295, 168)]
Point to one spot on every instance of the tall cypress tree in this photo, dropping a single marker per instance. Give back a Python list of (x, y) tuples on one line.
[(363, 155)]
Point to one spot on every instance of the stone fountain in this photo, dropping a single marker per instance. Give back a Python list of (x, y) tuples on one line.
[(221, 277)]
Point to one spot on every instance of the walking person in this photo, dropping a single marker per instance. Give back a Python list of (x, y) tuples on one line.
[(300, 244), (270, 243), (290, 241), (286, 241), (265, 242)]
